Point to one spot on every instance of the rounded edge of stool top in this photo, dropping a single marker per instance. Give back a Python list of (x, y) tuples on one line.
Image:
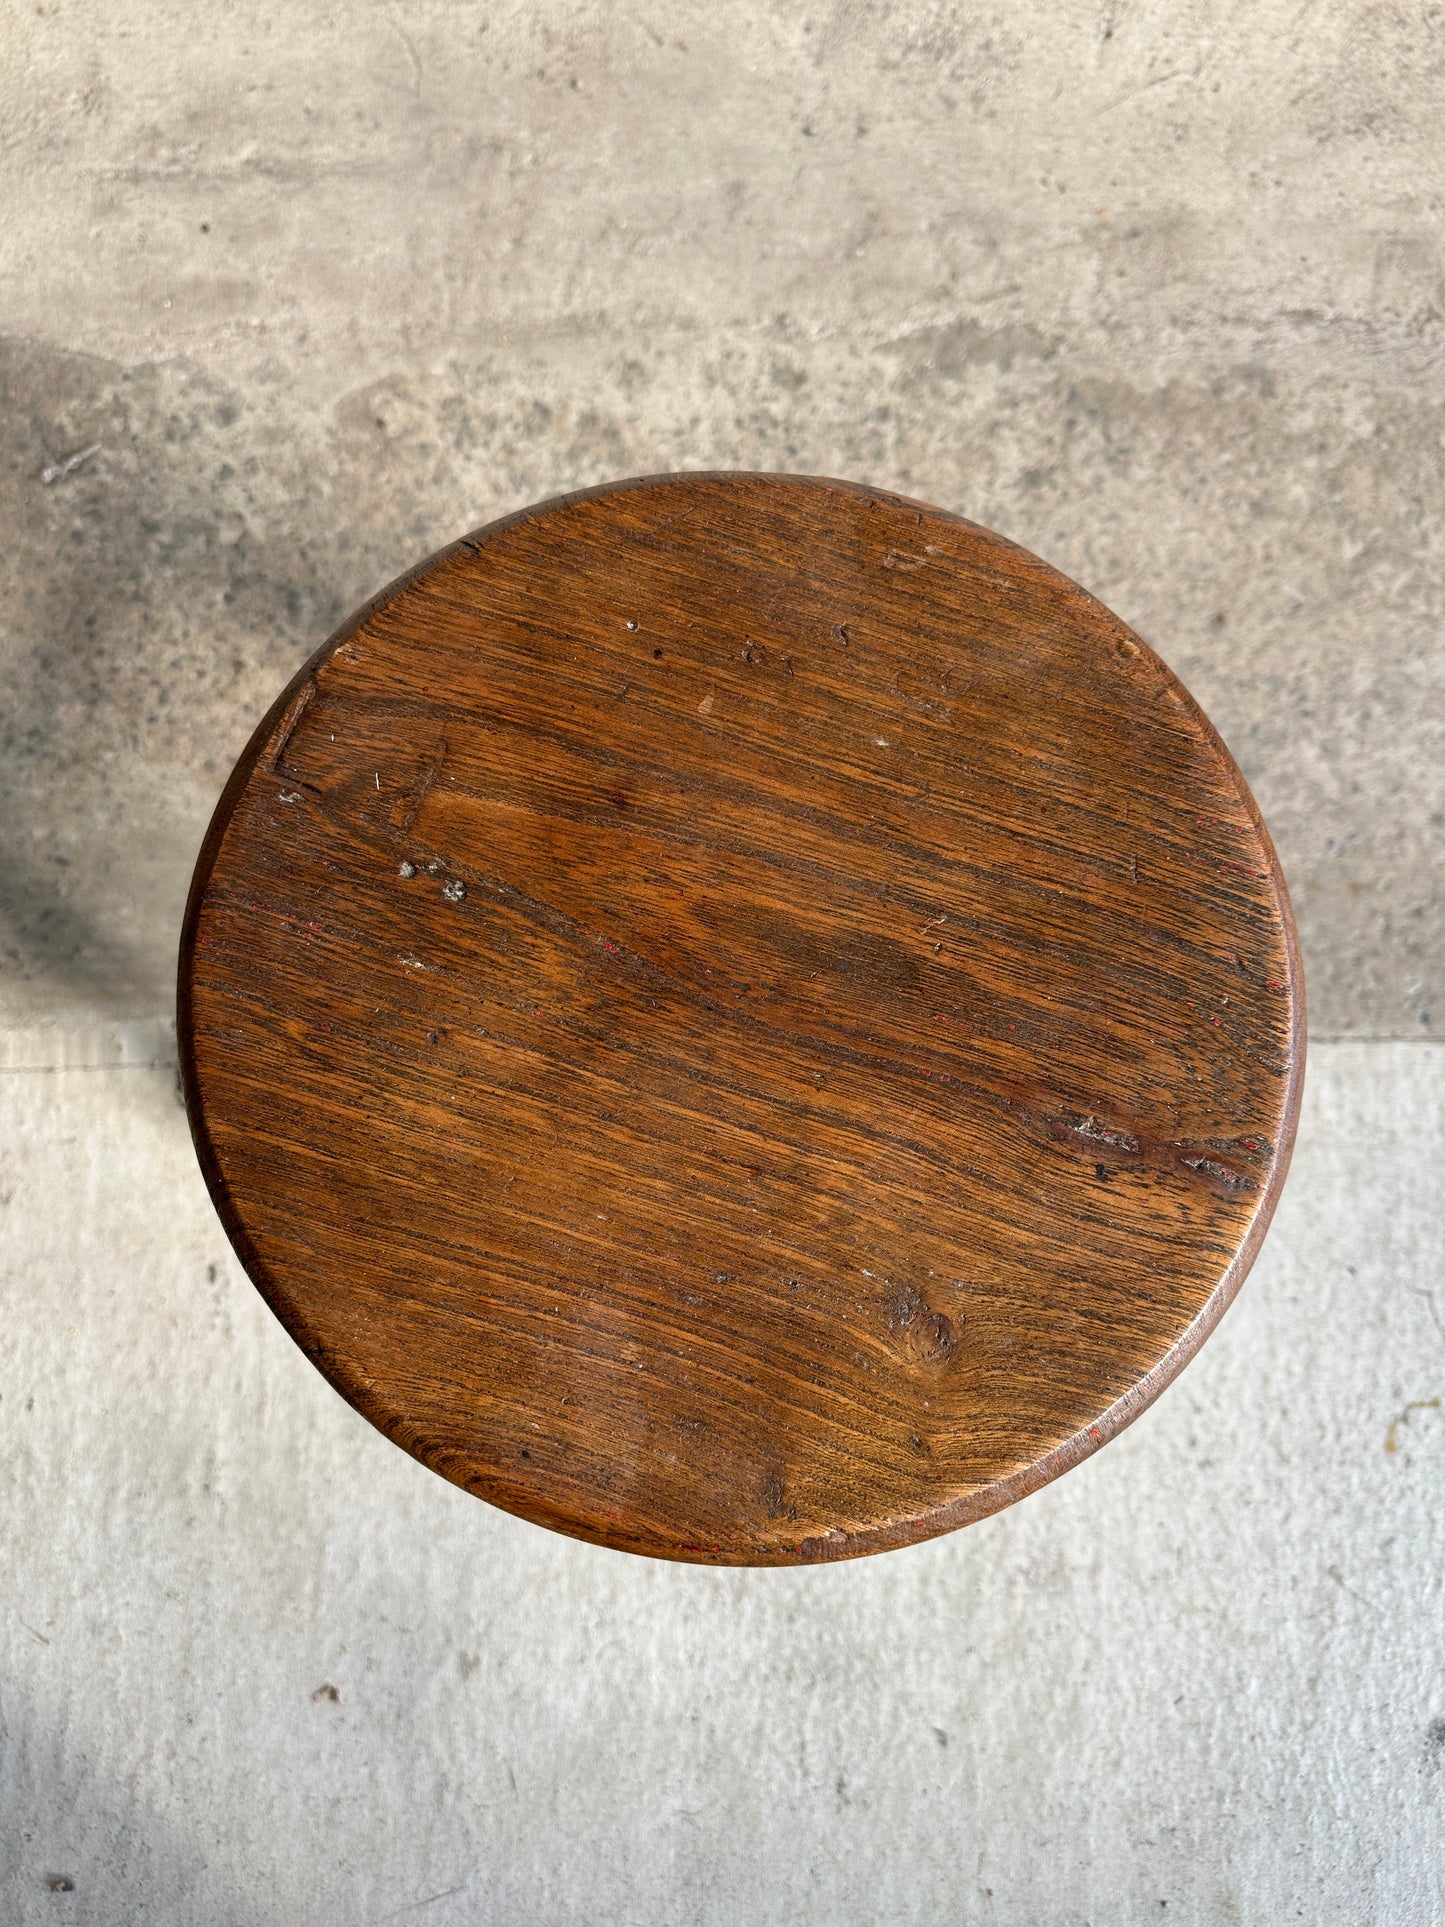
[(741, 1017)]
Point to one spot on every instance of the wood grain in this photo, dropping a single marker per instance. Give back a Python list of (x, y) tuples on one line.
[(742, 1018)]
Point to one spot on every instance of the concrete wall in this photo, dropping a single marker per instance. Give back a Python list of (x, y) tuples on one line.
[(1156, 289)]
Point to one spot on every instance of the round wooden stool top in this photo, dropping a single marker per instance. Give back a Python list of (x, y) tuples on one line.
[(742, 1018)]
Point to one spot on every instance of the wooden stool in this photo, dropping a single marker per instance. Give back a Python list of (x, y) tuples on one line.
[(742, 1018)]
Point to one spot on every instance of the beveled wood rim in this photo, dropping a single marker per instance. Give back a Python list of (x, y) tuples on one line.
[(976, 1504)]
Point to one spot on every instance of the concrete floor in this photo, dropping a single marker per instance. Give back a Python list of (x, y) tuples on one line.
[(1156, 289)]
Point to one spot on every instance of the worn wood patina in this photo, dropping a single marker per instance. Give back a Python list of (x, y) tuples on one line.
[(742, 1018)]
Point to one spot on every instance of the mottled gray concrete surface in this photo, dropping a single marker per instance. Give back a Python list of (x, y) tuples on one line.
[(1156, 288), (260, 1669)]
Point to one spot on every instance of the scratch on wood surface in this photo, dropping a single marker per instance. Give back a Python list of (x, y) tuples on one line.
[(1222, 1174), (671, 521), (1090, 1128), (299, 706)]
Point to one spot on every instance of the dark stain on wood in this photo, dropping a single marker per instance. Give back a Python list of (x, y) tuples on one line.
[(742, 1018)]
